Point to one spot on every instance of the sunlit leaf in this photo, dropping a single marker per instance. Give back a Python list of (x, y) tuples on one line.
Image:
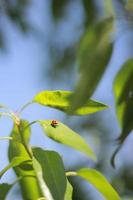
[(29, 184), (4, 189), (94, 54), (64, 135), (69, 191), (16, 161), (123, 90), (52, 172), (61, 101), (99, 182)]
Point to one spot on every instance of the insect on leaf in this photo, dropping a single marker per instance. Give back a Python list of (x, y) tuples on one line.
[(64, 135)]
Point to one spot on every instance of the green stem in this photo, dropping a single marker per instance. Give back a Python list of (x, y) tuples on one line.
[(6, 138), (7, 114), (71, 173), (30, 124), (24, 143), (24, 107)]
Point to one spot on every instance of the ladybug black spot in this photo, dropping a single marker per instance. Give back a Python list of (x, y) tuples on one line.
[(54, 123)]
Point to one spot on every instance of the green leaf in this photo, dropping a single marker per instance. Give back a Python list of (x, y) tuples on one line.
[(69, 191), (61, 100), (4, 189), (123, 90), (94, 54), (16, 161), (52, 171), (64, 135), (99, 182), (29, 184)]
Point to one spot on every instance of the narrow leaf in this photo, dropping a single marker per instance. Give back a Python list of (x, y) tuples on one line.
[(64, 135), (52, 170), (99, 182), (94, 54), (16, 161), (69, 191), (4, 189), (123, 90), (61, 100)]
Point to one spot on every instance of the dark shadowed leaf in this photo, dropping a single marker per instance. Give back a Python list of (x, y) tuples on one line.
[(61, 101), (94, 54), (4, 189), (99, 182), (52, 171), (64, 135)]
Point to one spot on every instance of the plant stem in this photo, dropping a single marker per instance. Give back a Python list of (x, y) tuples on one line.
[(33, 122), (71, 173), (24, 143), (6, 138), (25, 106)]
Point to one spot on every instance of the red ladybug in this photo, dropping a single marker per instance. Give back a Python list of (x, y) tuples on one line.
[(54, 123)]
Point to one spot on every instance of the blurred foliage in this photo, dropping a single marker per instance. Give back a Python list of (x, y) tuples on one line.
[(123, 89), (58, 7), (92, 51)]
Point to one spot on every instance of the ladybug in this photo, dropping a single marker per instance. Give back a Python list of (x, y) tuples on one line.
[(54, 123)]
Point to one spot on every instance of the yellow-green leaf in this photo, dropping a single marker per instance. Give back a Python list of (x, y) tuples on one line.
[(69, 191), (29, 185), (61, 100), (64, 135), (99, 182)]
